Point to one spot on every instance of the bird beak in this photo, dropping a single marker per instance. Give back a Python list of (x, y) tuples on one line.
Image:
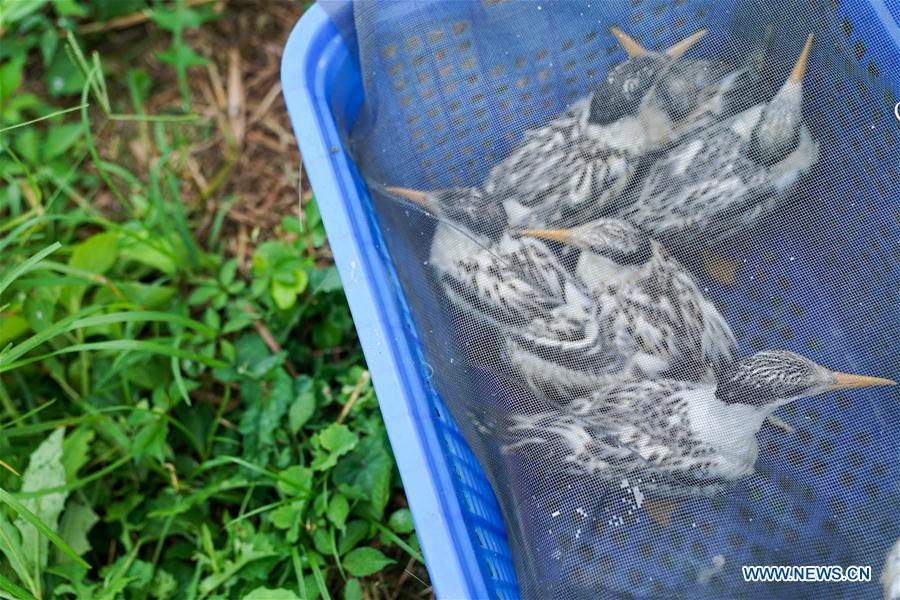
[(799, 69), (631, 47), (557, 235), (420, 198), (684, 45), (846, 381)]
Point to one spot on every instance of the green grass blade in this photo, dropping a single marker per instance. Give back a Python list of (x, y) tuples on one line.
[(155, 118), (298, 571), (27, 265), (39, 119), (317, 575), (397, 540), (81, 322), (29, 516), (47, 333), (122, 346), (13, 590)]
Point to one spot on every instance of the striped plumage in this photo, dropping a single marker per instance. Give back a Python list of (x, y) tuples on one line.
[(677, 438), (647, 302), (588, 154), (727, 177), (628, 312), (558, 169), (571, 169), (493, 277)]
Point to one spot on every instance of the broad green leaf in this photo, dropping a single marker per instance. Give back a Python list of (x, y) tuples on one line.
[(304, 404), (295, 481), (62, 77), (353, 590), (355, 532), (39, 312), (255, 358), (365, 561), (97, 253), (337, 440), (322, 541), (76, 450), (325, 281), (264, 593), (284, 295), (11, 327), (203, 294), (270, 402), (11, 72), (401, 521), (245, 552), (27, 144), (161, 255), (366, 473), (179, 17), (163, 586), (338, 509), (182, 56), (45, 470), (16, 10), (60, 139), (76, 523), (23, 512), (69, 8), (285, 517), (140, 294)]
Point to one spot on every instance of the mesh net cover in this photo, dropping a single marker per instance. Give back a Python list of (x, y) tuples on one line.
[(643, 244)]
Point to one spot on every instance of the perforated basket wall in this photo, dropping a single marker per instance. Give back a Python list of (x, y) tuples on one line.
[(452, 86)]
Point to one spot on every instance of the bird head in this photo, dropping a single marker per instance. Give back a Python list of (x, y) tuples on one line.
[(467, 208), (773, 378), (617, 105), (618, 240), (777, 132)]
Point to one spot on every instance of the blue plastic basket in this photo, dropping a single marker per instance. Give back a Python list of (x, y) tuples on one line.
[(456, 515)]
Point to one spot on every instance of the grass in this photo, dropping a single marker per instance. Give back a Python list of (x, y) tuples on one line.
[(184, 408)]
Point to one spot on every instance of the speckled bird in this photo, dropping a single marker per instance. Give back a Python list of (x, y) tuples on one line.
[(569, 170), (725, 178), (695, 91), (490, 275), (648, 302), (629, 311), (588, 154), (679, 438)]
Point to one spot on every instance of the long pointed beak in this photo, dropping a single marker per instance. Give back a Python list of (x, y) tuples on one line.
[(627, 42), (557, 235), (799, 69), (846, 381), (419, 197), (684, 45)]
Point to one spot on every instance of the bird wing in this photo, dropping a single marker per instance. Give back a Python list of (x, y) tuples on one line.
[(650, 419), (557, 168), (637, 429), (699, 187), (513, 283), (706, 337)]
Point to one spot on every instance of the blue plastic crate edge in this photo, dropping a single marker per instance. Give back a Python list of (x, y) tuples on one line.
[(377, 313)]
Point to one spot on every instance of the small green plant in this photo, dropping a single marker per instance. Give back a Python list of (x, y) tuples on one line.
[(175, 422)]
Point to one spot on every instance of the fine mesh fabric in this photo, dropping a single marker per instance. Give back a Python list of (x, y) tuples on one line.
[(707, 231)]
